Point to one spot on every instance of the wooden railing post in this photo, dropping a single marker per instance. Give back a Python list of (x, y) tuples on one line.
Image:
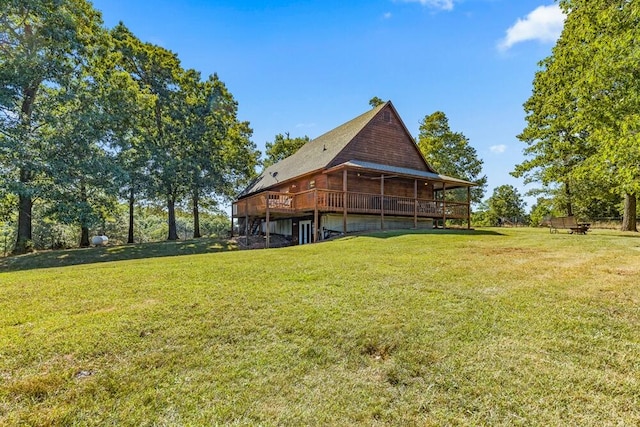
[(444, 205), (246, 220), (233, 205)]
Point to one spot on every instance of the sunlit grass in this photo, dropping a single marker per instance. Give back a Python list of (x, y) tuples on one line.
[(493, 327)]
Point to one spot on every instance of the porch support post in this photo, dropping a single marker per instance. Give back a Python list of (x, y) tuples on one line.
[(246, 220), (444, 207), (267, 222), (233, 205), (468, 208), (382, 202), (344, 201), (415, 203), (315, 215)]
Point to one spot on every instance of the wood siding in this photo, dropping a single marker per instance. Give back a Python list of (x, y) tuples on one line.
[(383, 141)]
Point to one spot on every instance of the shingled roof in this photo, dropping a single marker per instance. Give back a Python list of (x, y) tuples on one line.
[(319, 153)]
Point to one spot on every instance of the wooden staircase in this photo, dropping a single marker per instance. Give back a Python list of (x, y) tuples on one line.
[(254, 226)]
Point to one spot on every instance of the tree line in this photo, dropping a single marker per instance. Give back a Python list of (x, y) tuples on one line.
[(90, 116)]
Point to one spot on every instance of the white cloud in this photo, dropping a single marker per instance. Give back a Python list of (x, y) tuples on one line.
[(387, 15), (438, 4), (543, 24), (498, 148)]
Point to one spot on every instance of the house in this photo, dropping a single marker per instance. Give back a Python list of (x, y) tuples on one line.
[(367, 174)]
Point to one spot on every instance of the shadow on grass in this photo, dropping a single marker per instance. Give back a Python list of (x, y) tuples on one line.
[(63, 258), (436, 231)]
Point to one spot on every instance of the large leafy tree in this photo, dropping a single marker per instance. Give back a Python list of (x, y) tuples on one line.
[(220, 154), (43, 44), (282, 146), (608, 92), (158, 73), (79, 168), (131, 107), (556, 141), (582, 118), (450, 152)]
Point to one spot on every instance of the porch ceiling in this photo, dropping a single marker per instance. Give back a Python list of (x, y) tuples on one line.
[(378, 168)]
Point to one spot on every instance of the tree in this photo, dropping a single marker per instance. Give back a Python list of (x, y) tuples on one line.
[(43, 44), (449, 153), (375, 101), (157, 72), (81, 172), (541, 211), (282, 147), (220, 154), (557, 143), (132, 117), (582, 120), (506, 203), (609, 92), (83, 175)]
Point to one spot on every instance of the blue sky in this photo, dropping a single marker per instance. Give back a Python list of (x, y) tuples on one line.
[(305, 67)]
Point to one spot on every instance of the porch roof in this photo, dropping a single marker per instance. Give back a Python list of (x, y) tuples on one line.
[(396, 170)]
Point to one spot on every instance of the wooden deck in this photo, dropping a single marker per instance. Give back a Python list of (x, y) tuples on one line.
[(289, 204)]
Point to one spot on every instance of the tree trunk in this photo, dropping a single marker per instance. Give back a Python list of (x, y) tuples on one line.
[(196, 217), (567, 193), (24, 236), (131, 202), (630, 213), (25, 202), (84, 237), (173, 230), (84, 234)]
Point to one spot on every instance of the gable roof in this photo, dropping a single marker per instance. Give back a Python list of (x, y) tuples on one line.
[(324, 152), (314, 155)]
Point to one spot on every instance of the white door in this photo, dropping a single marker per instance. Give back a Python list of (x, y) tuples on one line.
[(304, 232)]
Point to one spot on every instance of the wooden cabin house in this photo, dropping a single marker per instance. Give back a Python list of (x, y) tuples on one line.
[(367, 174)]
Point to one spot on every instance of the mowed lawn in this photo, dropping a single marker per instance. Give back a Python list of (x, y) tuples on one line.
[(490, 327)]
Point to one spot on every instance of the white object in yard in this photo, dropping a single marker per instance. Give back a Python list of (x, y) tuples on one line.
[(99, 240)]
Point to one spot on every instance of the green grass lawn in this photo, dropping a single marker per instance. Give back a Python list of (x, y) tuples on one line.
[(492, 327)]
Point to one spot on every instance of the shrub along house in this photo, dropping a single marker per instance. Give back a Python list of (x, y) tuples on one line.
[(367, 174)]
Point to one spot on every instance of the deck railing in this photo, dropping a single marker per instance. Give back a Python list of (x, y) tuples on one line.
[(334, 201)]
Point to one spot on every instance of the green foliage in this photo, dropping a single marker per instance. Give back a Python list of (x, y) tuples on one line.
[(45, 44), (8, 204), (89, 116), (582, 120), (481, 216), (449, 153), (375, 102), (7, 237), (151, 226), (506, 204), (541, 211), (282, 147)]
